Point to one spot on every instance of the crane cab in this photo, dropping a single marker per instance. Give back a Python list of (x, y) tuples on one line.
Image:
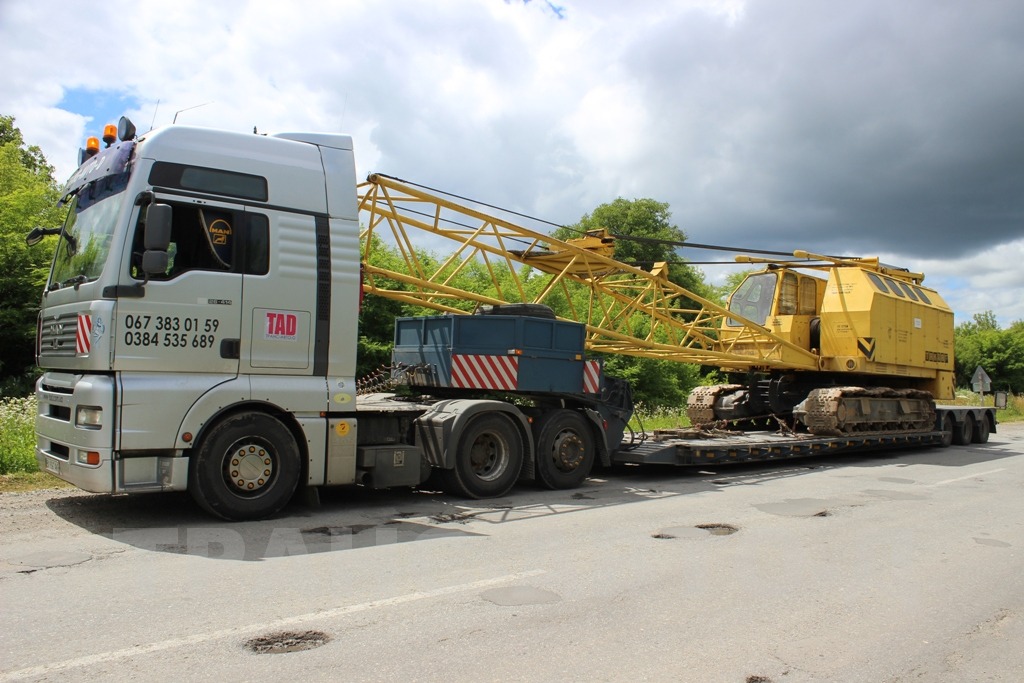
[(785, 302)]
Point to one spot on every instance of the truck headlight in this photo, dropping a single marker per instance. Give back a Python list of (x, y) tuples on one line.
[(89, 417)]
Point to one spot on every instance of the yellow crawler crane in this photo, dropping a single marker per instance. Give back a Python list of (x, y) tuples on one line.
[(864, 350), (884, 344)]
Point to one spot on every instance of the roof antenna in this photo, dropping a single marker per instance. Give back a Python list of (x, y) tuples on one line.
[(175, 120), (155, 110)]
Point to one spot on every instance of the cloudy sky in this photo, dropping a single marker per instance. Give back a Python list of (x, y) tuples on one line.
[(866, 128)]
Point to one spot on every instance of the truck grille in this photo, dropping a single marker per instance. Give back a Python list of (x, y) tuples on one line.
[(57, 335)]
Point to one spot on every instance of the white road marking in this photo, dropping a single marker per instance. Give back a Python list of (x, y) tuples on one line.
[(965, 477), (237, 631)]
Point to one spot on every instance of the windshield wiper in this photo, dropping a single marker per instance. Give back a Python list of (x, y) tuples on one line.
[(77, 281)]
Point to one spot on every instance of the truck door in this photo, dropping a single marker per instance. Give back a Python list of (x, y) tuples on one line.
[(188, 319), (279, 321)]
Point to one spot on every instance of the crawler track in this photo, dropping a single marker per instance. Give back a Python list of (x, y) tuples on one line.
[(837, 411)]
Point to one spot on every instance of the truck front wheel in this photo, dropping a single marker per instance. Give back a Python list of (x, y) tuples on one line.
[(246, 467), (488, 458), (565, 450)]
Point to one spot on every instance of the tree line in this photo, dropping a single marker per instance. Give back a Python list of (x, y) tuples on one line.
[(29, 194), (980, 342)]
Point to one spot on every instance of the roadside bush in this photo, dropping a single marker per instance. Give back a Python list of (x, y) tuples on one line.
[(17, 435)]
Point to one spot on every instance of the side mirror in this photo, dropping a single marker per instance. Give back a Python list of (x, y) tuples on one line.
[(35, 236), (158, 227), (154, 262)]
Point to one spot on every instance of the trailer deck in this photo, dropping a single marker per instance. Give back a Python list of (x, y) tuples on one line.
[(685, 447)]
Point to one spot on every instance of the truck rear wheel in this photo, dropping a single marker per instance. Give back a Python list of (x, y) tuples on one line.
[(964, 431), (947, 431), (488, 458), (565, 450), (247, 467), (981, 431)]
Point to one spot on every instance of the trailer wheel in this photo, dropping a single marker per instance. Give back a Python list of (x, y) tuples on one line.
[(964, 431), (565, 450), (947, 431), (488, 458), (981, 430), (247, 467)]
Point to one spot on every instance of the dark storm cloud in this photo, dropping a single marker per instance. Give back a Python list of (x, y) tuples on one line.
[(843, 127)]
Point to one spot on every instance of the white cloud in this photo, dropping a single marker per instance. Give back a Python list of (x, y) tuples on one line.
[(992, 280)]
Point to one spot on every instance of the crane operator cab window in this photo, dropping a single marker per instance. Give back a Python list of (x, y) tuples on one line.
[(204, 238), (753, 298)]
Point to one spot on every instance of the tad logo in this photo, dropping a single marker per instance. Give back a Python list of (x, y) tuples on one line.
[(281, 325)]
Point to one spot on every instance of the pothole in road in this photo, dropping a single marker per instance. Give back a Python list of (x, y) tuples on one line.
[(694, 532), (287, 641)]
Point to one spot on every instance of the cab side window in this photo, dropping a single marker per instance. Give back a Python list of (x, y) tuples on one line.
[(212, 239), (808, 297), (788, 294)]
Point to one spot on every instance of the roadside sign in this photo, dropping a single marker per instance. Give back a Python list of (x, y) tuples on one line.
[(980, 382)]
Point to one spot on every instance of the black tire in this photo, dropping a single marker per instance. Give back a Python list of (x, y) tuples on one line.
[(981, 431), (565, 450), (488, 458), (964, 431), (947, 431), (246, 467)]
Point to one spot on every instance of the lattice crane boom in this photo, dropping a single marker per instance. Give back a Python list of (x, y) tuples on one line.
[(626, 309)]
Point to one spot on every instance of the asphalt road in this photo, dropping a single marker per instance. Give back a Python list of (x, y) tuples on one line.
[(905, 566)]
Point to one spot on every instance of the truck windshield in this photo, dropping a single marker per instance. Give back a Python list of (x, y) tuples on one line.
[(753, 298), (85, 240)]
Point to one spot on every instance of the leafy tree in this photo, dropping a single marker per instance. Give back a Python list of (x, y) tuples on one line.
[(655, 383), (31, 157), (645, 235), (377, 315), (981, 342), (28, 198)]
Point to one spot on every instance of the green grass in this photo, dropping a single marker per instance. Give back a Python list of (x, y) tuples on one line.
[(1014, 411), (17, 435), (645, 419), (31, 481)]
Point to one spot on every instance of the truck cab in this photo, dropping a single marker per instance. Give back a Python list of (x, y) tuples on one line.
[(198, 272)]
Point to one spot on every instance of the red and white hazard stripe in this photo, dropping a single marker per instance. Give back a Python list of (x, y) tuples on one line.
[(485, 372), (83, 342), (592, 377)]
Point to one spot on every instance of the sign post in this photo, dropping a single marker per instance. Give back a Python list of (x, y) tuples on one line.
[(981, 383)]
